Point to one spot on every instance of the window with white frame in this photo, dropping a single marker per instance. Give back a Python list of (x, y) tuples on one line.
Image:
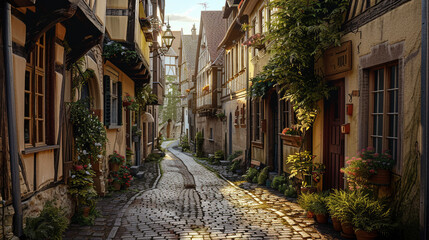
[(384, 109)]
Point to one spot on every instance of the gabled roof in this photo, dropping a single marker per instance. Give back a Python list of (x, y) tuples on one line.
[(214, 25)]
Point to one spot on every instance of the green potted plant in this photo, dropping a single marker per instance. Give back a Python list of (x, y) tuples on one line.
[(115, 160), (305, 200), (370, 217), (116, 181), (319, 208), (356, 173), (333, 203), (125, 176)]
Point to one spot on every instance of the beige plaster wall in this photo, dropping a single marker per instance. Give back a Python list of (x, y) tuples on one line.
[(116, 26), (238, 133)]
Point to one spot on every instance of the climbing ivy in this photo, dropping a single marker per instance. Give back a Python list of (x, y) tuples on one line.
[(300, 31)]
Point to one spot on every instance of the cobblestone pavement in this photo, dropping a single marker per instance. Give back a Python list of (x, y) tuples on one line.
[(110, 207), (191, 202)]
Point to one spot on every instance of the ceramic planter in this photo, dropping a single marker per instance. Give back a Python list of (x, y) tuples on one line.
[(362, 235), (291, 140), (337, 224), (347, 230), (321, 218), (381, 178)]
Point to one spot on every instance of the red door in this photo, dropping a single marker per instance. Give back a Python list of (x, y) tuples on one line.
[(333, 138)]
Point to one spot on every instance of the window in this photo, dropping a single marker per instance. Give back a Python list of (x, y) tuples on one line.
[(384, 106), (115, 103), (34, 96), (262, 24), (211, 133), (257, 117), (112, 88), (288, 115)]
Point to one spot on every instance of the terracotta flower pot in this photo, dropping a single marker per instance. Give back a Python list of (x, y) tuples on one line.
[(116, 186), (347, 230), (381, 178), (362, 235), (114, 167), (337, 224), (85, 211), (322, 218), (310, 214)]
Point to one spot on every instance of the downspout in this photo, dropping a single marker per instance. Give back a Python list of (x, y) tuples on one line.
[(424, 169), (249, 112), (11, 119)]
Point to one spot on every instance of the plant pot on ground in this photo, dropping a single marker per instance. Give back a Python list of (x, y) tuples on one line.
[(86, 210), (336, 224), (334, 203), (363, 235), (347, 230)]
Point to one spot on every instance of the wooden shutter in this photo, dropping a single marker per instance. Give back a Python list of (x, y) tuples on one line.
[(107, 100), (119, 103)]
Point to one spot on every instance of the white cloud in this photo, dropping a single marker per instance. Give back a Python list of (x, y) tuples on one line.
[(181, 18)]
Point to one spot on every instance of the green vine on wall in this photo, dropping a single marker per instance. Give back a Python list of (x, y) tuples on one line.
[(300, 32)]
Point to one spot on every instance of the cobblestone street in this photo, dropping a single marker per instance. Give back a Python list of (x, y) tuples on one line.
[(190, 202)]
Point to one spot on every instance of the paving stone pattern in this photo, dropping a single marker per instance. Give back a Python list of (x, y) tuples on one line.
[(109, 207), (213, 209)]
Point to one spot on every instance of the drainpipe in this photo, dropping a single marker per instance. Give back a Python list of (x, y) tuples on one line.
[(424, 218), (248, 156), (11, 119)]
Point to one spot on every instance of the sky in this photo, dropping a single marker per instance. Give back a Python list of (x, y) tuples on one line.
[(184, 13)]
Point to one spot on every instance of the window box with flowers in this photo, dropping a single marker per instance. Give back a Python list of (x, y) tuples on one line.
[(257, 41), (291, 137)]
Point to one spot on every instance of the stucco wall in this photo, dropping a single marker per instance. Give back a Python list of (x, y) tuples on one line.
[(239, 132)]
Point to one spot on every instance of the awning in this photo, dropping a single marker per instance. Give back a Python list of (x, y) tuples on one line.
[(147, 117)]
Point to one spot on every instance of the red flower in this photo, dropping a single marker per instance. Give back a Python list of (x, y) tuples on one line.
[(78, 167)]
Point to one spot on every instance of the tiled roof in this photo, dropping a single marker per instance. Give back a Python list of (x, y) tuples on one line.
[(214, 25), (189, 51), (176, 43)]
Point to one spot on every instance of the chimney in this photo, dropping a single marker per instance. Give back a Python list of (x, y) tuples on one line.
[(194, 32)]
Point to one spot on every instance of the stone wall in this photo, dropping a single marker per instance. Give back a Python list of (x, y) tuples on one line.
[(33, 206)]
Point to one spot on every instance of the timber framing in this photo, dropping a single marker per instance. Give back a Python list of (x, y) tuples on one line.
[(370, 14)]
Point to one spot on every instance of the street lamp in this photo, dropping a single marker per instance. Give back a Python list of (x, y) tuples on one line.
[(168, 37)]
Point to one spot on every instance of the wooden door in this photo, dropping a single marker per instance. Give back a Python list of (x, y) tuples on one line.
[(333, 138)]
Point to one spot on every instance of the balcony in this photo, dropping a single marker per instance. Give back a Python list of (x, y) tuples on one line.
[(235, 84)]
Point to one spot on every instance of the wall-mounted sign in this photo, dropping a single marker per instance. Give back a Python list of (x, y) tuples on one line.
[(338, 59)]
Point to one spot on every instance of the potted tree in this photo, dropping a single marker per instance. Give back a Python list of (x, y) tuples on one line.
[(301, 167)]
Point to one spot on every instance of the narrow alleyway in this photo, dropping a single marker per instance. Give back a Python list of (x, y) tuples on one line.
[(190, 202)]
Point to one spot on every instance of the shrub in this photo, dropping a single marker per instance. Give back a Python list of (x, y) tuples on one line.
[(290, 191), (219, 155), (50, 224), (199, 141), (305, 200), (234, 166), (234, 155), (282, 187), (116, 158), (251, 173), (184, 143), (318, 204), (277, 181), (263, 176), (153, 157)]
